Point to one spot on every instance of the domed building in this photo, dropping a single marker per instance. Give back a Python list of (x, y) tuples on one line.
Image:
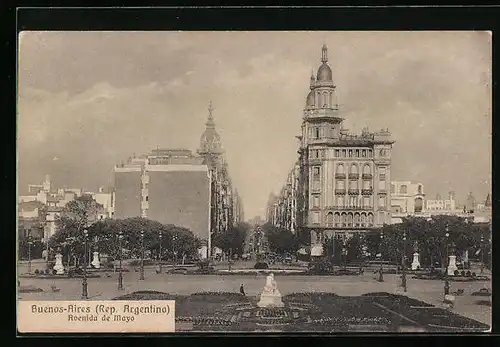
[(343, 179), (176, 186)]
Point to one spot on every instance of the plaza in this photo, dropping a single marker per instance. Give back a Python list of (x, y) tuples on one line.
[(105, 287)]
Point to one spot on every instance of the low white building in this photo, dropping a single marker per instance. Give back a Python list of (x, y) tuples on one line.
[(407, 199)]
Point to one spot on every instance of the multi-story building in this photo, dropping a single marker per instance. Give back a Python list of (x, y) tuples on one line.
[(407, 199), (284, 206), (175, 186), (343, 183), (238, 210)]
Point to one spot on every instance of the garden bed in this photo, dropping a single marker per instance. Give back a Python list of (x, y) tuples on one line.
[(260, 271), (53, 277), (30, 289)]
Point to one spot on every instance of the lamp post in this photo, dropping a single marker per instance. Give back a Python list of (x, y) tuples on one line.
[(120, 252), (174, 239), (381, 270), (161, 238), (30, 242), (85, 294), (446, 280), (482, 254), (142, 256), (404, 262)]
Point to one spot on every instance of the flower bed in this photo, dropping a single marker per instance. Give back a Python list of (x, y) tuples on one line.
[(147, 295), (52, 277), (30, 289), (219, 297), (205, 320)]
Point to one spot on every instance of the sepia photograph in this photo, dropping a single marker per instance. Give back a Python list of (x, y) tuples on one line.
[(254, 181)]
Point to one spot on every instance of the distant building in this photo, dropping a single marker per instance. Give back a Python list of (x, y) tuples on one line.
[(442, 206), (407, 199), (284, 206)]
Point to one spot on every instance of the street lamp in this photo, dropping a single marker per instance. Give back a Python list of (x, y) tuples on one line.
[(30, 242), (446, 280), (482, 254), (161, 237), (404, 262), (174, 239), (142, 255), (85, 294), (120, 252), (381, 271)]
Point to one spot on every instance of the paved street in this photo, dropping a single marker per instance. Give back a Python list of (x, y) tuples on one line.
[(105, 288)]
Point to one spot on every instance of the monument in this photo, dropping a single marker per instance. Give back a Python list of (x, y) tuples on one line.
[(452, 265), (59, 265), (270, 296), (416, 261), (95, 262)]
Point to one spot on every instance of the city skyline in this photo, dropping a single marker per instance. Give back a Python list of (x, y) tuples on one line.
[(89, 100)]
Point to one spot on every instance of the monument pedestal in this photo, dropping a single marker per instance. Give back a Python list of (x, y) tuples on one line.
[(452, 265), (416, 261), (270, 296), (59, 265), (270, 300), (95, 262)]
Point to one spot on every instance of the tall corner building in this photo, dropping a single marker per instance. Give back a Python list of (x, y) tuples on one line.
[(175, 186), (344, 180)]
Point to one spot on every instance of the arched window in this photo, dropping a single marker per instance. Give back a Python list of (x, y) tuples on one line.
[(362, 219), (349, 219), (316, 133), (329, 219), (325, 99), (331, 101), (419, 204), (344, 219), (337, 219), (319, 99), (393, 188), (340, 168), (403, 189), (354, 169), (419, 189), (370, 219), (356, 219), (367, 170)]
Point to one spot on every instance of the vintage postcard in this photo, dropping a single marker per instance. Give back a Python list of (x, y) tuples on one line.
[(254, 181)]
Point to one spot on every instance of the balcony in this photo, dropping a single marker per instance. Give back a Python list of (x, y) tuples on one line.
[(382, 192), (367, 191), (353, 191), (367, 176), (340, 191), (382, 177), (340, 176), (353, 176)]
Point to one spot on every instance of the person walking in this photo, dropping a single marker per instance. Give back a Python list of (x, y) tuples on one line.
[(242, 290)]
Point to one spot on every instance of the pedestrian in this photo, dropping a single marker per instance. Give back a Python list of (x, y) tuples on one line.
[(242, 290)]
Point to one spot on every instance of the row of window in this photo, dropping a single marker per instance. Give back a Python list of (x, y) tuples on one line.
[(351, 201), (403, 189), (351, 153), (353, 169), (344, 219)]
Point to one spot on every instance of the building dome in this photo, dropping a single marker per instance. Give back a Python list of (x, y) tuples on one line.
[(210, 139), (210, 142), (310, 99), (324, 73)]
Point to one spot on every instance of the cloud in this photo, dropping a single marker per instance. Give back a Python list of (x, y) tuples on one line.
[(93, 99)]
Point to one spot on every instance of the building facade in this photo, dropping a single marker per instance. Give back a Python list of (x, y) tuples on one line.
[(407, 199), (175, 186), (282, 209), (343, 179)]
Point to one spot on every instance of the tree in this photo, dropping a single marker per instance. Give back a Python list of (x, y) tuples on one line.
[(232, 241), (354, 248), (280, 240)]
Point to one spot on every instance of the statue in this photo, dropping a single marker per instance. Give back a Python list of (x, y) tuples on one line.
[(270, 296), (59, 265)]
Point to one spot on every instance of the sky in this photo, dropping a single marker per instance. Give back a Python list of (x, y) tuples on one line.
[(89, 100)]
